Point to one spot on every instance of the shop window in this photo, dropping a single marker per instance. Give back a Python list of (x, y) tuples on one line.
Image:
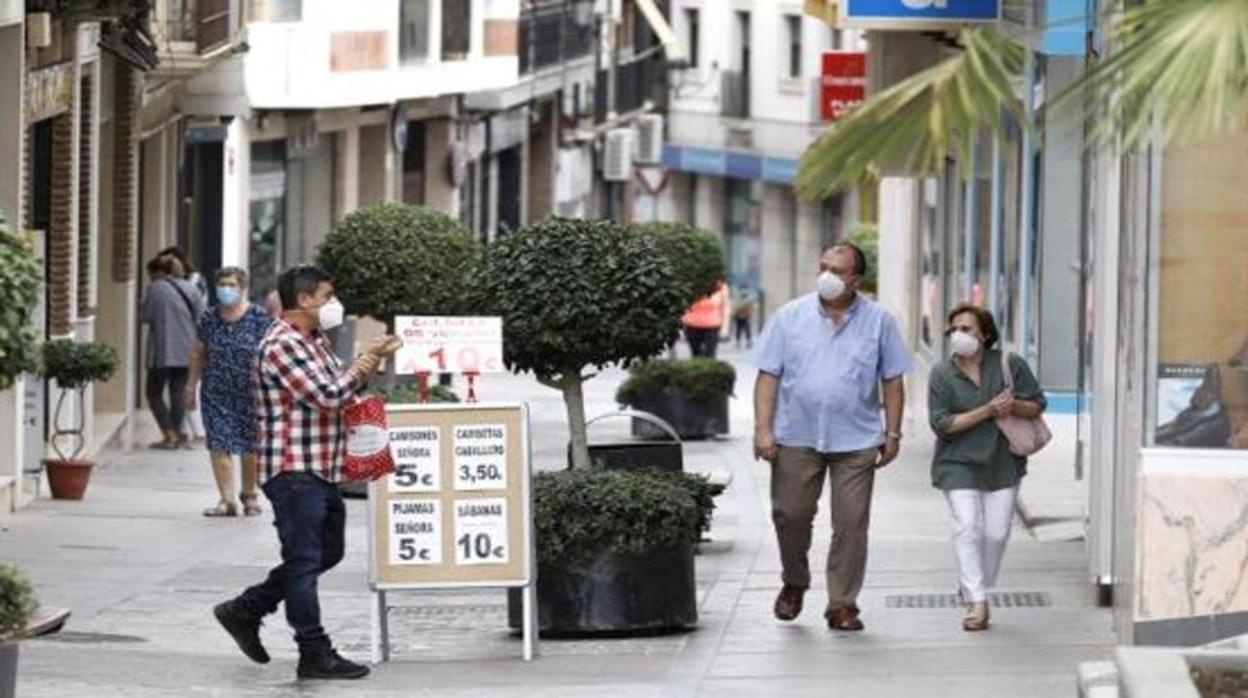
[(1201, 290)]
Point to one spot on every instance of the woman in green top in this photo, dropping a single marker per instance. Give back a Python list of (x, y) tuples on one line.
[(973, 464)]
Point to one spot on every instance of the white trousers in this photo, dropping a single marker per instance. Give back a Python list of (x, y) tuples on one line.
[(981, 528)]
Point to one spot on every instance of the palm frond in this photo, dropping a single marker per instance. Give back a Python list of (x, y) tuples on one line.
[(1177, 65), (914, 125)]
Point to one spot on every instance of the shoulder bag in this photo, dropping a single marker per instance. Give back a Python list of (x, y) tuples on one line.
[(1027, 435)]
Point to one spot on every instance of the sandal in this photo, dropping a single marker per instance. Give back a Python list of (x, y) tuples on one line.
[(222, 509), (250, 508)]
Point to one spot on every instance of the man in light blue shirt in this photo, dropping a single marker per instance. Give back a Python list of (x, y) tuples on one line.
[(822, 360)]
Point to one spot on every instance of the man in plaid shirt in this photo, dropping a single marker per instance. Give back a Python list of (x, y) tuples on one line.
[(301, 391)]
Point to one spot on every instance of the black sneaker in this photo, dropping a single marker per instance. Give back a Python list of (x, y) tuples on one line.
[(244, 628), (326, 663)]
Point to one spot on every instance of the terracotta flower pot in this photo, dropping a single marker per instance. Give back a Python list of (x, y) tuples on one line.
[(67, 478)]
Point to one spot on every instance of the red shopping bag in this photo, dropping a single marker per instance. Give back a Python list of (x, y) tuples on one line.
[(368, 440)]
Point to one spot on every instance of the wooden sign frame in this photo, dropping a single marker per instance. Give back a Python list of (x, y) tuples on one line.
[(447, 572)]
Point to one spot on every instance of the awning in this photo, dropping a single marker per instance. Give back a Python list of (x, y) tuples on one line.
[(671, 46)]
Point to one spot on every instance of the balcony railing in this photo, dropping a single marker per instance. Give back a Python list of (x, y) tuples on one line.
[(205, 23), (554, 32), (636, 83), (734, 94)]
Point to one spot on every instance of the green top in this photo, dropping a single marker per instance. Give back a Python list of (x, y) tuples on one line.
[(979, 458)]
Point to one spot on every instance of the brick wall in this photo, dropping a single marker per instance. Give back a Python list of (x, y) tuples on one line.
[(86, 170), (61, 231), (125, 173)]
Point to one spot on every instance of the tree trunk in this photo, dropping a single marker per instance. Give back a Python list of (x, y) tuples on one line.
[(574, 399), (392, 366)]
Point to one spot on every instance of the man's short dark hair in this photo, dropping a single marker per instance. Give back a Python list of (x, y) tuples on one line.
[(860, 257), (301, 280)]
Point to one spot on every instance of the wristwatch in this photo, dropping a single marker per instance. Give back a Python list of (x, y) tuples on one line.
[(893, 435)]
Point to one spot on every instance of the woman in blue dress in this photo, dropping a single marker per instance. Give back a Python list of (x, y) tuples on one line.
[(224, 357)]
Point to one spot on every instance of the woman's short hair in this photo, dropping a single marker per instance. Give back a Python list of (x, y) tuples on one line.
[(983, 318), (238, 274)]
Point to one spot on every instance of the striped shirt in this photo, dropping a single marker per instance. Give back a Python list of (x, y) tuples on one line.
[(301, 391)]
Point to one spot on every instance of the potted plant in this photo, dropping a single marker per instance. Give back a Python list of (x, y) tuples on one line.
[(690, 394), (626, 537), (20, 277), (576, 295), (73, 366), (17, 608)]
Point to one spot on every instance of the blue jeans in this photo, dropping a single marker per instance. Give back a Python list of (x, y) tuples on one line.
[(311, 519)]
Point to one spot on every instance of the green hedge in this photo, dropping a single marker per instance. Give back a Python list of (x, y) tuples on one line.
[(698, 378), (20, 277), (580, 514), (17, 602)]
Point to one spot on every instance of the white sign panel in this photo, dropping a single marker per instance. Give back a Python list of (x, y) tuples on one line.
[(415, 532), (449, 344), (481, 532), (417, 459), (481, 457)]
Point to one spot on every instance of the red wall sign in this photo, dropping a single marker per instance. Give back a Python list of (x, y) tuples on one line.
[(843, 84)]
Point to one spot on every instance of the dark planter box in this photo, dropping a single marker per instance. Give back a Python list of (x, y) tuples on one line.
[(629, 456), (8, 669), (692, 419), (615, 595)]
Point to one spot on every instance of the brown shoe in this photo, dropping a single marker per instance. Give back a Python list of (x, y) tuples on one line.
[(844, 618), (789, 602), (976, 618)]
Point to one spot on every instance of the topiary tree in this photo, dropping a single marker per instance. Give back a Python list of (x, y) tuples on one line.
[(20, 276), (17, 602), (579, 293), (394, 259), (697, 256), (74, 366)]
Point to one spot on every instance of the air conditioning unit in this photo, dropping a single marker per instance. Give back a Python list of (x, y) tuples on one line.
[(617, 157), (650, 139)]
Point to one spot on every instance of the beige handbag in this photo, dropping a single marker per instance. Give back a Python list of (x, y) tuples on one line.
[(1027, 435)]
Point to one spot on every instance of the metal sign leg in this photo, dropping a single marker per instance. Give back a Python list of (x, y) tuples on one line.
[(381, 629), (530, 622)]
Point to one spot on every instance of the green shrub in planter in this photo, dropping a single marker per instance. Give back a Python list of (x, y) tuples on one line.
[(395, 259), (74, 365), (20, 277), (575, 294), (696, 256), (698, 378), (17, 602), (580, 514)]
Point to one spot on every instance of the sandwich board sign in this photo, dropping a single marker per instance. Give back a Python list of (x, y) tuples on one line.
[(456, 513)]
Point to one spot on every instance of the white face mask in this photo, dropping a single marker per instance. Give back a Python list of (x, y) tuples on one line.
[(330, 315), (830, 286), (963, 344)]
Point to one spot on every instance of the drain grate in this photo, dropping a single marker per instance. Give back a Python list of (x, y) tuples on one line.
[(1003, 599), (82, 638)]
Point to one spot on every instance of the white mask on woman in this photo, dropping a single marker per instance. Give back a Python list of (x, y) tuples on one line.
[(963, 344)]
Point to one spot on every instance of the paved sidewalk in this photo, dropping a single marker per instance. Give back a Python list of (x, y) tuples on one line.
[(141, 568)]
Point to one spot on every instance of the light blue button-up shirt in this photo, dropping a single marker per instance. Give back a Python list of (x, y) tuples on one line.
[(829, 396)]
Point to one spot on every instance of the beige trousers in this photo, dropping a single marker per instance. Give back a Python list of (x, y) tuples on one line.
[(796, 485)]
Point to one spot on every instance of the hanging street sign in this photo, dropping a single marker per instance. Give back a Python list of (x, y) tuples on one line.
[(919, 14), (842, 83)]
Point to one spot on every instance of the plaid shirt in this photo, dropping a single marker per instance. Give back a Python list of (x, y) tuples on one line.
[(301, 391)]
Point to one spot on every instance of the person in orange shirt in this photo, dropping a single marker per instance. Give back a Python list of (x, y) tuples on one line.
[(704, 320)]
